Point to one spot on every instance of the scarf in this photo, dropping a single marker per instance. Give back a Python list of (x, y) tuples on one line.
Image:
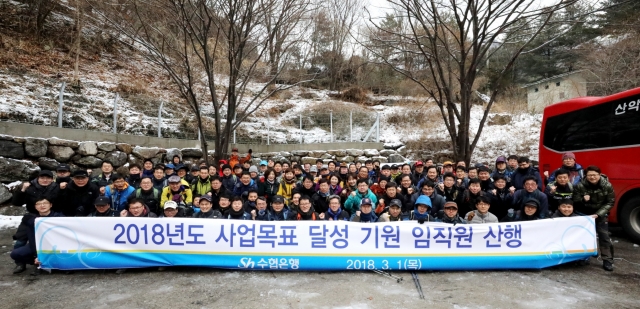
[(306, 215), (365, 217), (334, 216), (236, 214)]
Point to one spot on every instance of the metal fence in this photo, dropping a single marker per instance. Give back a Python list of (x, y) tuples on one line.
[(319, 125)]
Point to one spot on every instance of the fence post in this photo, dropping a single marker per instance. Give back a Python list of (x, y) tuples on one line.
[(331, 120), (378, 127), (351, 125), (115, 115), (160, 119), (300, 129), (60, 103), (268, 129)]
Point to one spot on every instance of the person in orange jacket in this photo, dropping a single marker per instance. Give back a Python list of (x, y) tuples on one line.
[(234, 159)]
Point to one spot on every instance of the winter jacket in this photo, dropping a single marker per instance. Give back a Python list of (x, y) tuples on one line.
[(506, 173), (437, 202), (234, 159), (145, 214), (285, 215), (119, 198), (320, 201), (519, 175), (311, 215), (109, 213), (558, 214), (501, 203), (478, 218), (386, 217), (200, 186), (78, 201), (151, 199), (160, 184), (364, 218), (134, 181), (215, 197), (300, 188), (441, 217), (243, 216), (406, 205), (353, 201), (26, 230), (286, 190), (185, 196), (449, 194), (467, 201), (340, 215), (242, 190), (229, 182), (268, 189), (102, 181), (415, 215), (601, 197), (35, 192), (562, 193), (211, 214), (576, 174), (521, 196)]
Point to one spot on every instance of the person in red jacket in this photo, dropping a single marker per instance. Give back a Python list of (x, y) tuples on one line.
[(235, 159)]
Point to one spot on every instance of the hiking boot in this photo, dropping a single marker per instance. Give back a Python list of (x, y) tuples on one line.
[(36, 272), (19, 268), (607, 265), (121, 271)]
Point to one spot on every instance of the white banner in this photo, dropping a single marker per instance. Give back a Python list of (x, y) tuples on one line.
[(99, 243)]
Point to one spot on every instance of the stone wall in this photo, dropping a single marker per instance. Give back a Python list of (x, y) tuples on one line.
[(21, 158)]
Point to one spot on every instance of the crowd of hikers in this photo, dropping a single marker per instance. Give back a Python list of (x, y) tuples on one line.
[(508, 191)]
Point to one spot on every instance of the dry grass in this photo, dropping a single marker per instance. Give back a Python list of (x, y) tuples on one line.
[(512, 101)]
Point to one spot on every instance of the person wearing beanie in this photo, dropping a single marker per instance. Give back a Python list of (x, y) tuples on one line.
[(365, 214), (147, 168), (393, 212), (529, 212), (576, 172), (421, 210), (450, 214), (253, 172), (501, 169), (229, 180), (76, 198)]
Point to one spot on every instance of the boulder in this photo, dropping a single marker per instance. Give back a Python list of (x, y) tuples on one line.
[(371, 153), (171, 152), (101, 155), (191, 152), (355, 152), (318, 153), (309, 160), (5, 194), (48, 163), (337, 153), (131, 159), (54, 141), (106, 146), (4, 137), (396, 158), (255, 161), (402, 150), (345, 159), (312, 154), (117, 158), (126, 148), (326, 156), (361, 159), (11, 149), (295, 158), (60, 153), (285, 154), (394, 145), (145, 152), (380, 158), (89, 161), (499, 120), (88, 149), (387, 152), (19, 140), (12, 169), (35, 147), (300, 153), (159, 158)]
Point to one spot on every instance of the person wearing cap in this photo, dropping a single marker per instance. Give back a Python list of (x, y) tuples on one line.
[(176, 191), (202, 184), (181, 171), (313, 171), (335, 212), (262, 167), (169, 170), (279, 211), (343, 171), (171, 210), (229, 180), (576, 173), (481, 213), (429, 189), (137, 208), (393, 212), (447, 167), (102, 208), (206, 209), (194, 173), (63, 173), (449, 214), (41, 187), (104, 179), (26, 253), (324, 173), (395, 172), (594, 196), (530, 211), (525, 169), (119, 192), (234, 159), (149, 194), (365, 214), (530, 191), (135, 175), (418, 172), (147, 168), (244, 185), (421, 210), (501, 169), (362, 191), (176, 161), (76, 198)]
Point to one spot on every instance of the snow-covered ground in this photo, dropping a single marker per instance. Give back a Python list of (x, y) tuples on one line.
[(9, 222)]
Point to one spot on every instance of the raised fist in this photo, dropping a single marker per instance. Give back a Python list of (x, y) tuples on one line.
[(321, 216), (63, 185), (546, 174), (25, 186), (587, 198), (470, 216)]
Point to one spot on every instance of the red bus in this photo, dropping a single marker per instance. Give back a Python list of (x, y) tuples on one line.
[(602, 131)]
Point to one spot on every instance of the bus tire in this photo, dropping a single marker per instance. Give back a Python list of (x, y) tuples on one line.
[(630, 218)]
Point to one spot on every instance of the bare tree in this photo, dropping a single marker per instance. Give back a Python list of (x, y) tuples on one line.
[(454, 39), (212, 50)]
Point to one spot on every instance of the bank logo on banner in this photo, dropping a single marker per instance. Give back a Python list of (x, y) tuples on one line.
[(102, 243)]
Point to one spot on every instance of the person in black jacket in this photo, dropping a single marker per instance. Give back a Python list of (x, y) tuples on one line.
[(524, 170), (269, 186), (307, 187), (27, 254), (103, 208), (63, 174), (104, 179), (149, 194), (320, 199), (135, 175), (159, 180), (76, 198), (206, 209), (41, 187)]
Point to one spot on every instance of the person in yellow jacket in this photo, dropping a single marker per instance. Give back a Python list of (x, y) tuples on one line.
[(176, 191), (287, 184)]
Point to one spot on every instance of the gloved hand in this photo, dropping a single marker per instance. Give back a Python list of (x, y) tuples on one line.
[(421, 221)]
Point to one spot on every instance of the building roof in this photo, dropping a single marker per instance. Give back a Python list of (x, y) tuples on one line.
[(552, 78)]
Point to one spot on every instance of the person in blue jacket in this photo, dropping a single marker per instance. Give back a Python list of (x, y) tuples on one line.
[(119, 192), (524, 170), (576, 173), (352, 204), (245, 185)]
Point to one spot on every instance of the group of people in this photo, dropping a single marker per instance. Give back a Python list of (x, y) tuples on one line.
[(368, 192)]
